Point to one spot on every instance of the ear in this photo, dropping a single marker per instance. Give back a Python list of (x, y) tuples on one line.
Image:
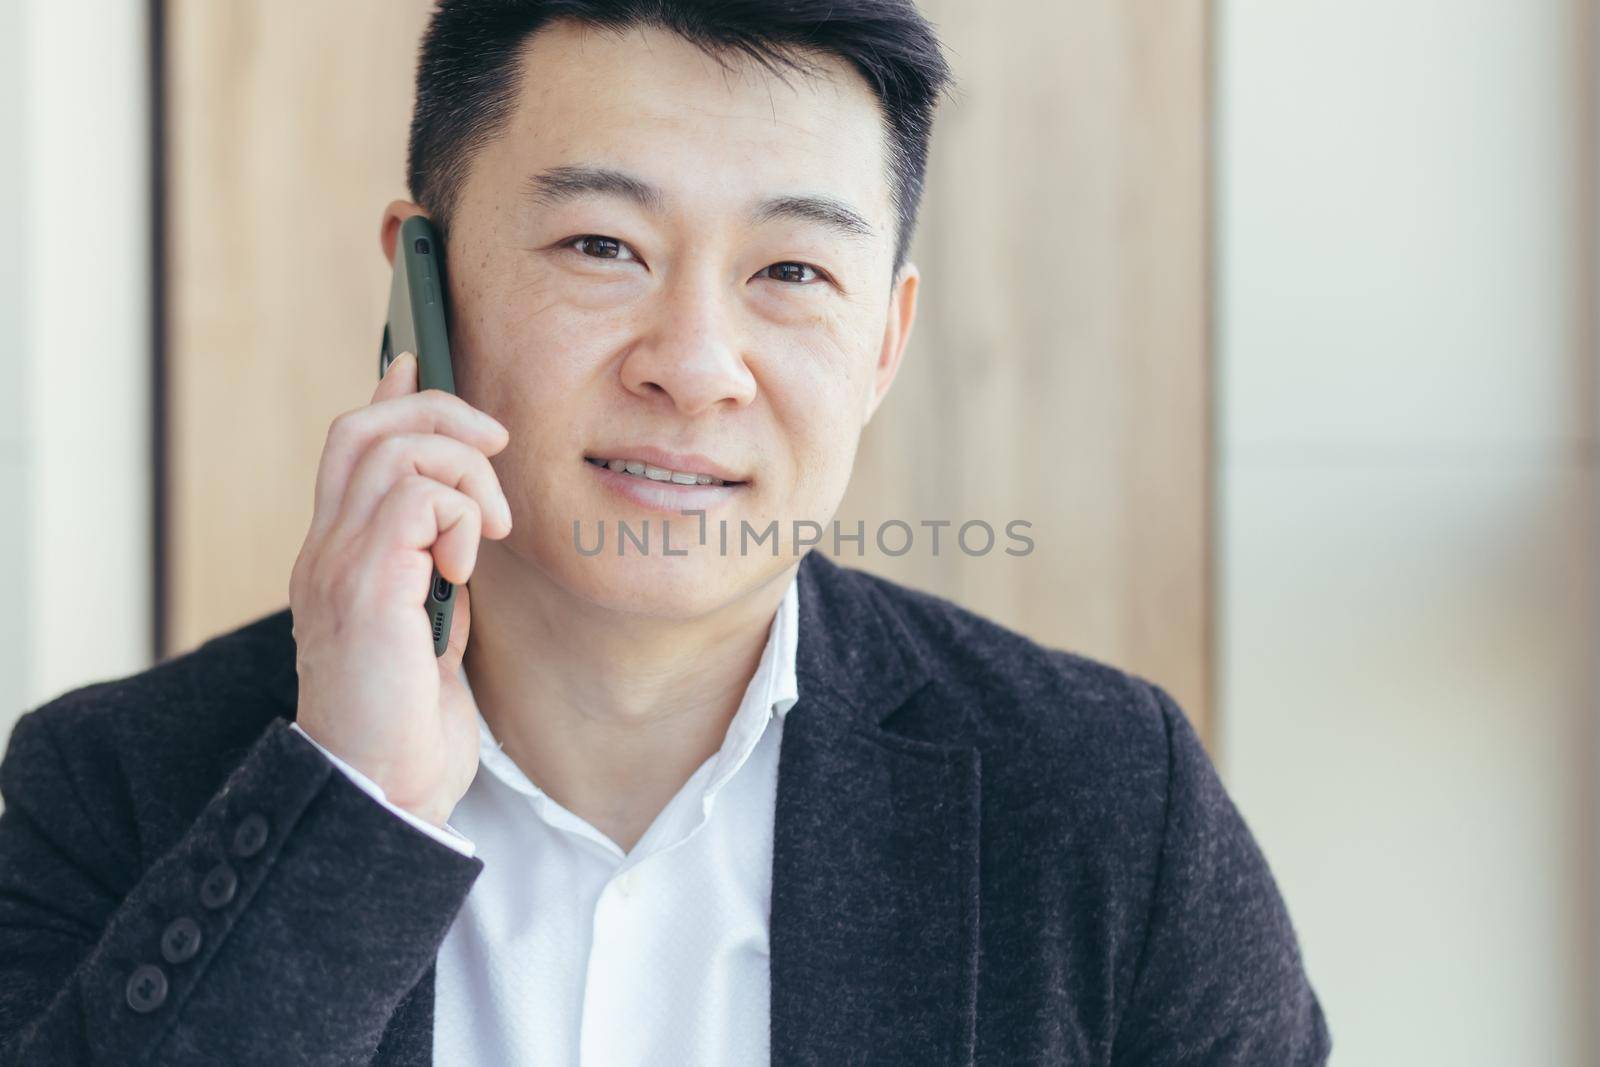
[(896, 332), (389, 230)]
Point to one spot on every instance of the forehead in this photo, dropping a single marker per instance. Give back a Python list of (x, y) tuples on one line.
[(651, 103)]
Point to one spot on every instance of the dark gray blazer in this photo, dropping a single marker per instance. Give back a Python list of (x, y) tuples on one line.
[(985, 851)]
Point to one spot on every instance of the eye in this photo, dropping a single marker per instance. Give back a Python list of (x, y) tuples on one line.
[(605, 247), (792, 273), (597, 246)]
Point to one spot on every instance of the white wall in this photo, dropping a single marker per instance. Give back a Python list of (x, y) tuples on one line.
[(75, 462), (15, 526), (1407, 513)]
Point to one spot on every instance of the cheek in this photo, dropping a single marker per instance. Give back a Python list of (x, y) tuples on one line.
[(816, 401), (591, 296), (822, 349), (526, 353), (525, 378)]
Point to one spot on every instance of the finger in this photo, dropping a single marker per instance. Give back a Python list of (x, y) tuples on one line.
[(422, 515), (399, 379), (352, 433), (444, 459)]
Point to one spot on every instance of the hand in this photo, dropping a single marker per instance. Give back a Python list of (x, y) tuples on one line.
[(404, 485)]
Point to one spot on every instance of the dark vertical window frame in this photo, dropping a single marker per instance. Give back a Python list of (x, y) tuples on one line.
[(157, 16)]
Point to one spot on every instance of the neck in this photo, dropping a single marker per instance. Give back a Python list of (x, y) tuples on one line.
[(608, 712)]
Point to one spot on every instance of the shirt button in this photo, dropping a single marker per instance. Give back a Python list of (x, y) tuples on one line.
[(219, 886), (147, 989), (250, 837), (181, 940), (625, 884)]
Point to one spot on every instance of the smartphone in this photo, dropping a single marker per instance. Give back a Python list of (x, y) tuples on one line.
[(417, 324)]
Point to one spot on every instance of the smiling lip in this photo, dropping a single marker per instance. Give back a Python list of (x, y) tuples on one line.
[(672, 461), (667, 498)]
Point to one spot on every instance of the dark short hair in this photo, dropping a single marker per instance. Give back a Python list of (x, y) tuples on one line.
[(467, 74)]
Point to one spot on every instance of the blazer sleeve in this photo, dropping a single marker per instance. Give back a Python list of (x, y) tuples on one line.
[(1219, 980), (284, 926)]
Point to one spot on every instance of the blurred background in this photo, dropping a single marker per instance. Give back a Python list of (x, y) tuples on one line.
[(1276, 319)]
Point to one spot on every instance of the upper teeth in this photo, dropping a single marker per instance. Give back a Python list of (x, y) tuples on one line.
[(658, 474)]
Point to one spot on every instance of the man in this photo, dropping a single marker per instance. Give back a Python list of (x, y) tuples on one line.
[(703, 806)]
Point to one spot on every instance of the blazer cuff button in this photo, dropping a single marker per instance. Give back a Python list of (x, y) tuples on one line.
[(180, 942), (147, 989), (250, 837), (218, 888)]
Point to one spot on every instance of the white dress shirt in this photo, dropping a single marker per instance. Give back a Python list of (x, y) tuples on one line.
[(569, 951)]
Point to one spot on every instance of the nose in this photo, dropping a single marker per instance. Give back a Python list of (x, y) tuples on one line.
[(690, 358)]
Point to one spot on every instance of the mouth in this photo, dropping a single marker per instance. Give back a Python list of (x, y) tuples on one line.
[(650, 472)]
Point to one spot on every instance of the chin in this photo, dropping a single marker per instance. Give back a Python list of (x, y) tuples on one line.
[(658, 586)]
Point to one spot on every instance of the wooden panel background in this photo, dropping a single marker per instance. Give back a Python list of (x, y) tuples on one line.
[(1058, 371)]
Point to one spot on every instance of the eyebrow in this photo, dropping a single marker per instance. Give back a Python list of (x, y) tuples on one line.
[(566, 183)]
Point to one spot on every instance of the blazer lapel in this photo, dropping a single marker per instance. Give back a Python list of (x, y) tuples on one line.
[(874, 929)]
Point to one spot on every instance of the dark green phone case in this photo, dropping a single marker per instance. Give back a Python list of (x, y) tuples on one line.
[(417, 324)]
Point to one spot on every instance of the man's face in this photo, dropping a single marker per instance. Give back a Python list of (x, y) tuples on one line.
[(596, 327)]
